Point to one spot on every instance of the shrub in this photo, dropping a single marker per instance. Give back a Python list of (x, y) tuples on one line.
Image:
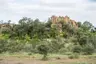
[(43, 49), (28, 48), (63, 50), (88, 49), (77, 49), (29, 53), (14, 46), (73, 56), (68, 53), (3, 46)]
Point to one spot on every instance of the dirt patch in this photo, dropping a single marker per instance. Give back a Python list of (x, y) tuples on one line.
[(30, 60)]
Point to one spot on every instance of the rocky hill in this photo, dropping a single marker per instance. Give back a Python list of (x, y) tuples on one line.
[(57, 20)]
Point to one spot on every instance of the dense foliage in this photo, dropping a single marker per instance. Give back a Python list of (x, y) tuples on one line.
[(28, 34), (43, 49)]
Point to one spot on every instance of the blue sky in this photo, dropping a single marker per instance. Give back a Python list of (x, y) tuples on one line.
[(79, 10)]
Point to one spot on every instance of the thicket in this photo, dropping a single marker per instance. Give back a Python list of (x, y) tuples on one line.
[(28, 34)]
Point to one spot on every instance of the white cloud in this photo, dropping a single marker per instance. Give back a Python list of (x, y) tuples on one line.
[(61, 1), (79, 10)]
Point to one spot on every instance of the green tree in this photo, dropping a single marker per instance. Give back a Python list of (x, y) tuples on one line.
[(43, 49)]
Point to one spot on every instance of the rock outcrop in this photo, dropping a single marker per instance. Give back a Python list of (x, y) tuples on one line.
[(57, 21)]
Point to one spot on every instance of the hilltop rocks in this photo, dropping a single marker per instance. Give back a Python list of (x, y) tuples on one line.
[(58, 21)]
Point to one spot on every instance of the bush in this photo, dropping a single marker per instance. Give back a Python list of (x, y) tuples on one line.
[(10, 46), (3, 46), (73, 56), (68, 53), (29, 53), (14, 46), (28, 48), (63, 50), (77, 49), (43, 49), (88, 49)]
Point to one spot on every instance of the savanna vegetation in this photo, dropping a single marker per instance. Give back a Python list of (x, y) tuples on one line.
[(35, 36)]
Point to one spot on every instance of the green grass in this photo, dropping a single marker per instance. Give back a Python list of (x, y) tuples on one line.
[(39, 55)]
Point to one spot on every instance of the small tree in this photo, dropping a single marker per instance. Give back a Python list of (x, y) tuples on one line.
[(43, 49)]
